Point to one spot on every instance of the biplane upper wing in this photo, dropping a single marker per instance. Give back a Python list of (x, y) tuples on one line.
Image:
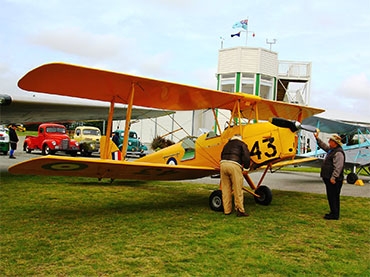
[(96, 84), (98, 168), (36, 111)]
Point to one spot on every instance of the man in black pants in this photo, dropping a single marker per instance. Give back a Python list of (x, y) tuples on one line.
[(13, 140), (332, 172)]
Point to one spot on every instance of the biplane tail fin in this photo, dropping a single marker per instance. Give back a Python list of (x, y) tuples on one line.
[(110, 151)]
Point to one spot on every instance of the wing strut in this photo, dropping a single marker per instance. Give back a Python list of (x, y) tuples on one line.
[(240, 118), (218, 130), (128, 120), (106, 152)]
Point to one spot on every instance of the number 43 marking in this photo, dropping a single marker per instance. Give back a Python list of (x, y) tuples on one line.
[(255, 151)]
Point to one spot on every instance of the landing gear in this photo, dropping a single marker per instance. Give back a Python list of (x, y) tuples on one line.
[(262, 194)]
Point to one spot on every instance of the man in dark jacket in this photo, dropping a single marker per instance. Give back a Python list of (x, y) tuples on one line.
[(234, 157), (332, 172), (13, 140), (115, 138)]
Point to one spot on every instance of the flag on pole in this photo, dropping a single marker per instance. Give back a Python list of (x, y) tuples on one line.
[(236, 35), (241, 24)]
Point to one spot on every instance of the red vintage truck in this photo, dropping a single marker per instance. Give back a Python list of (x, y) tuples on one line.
[(50, 139)]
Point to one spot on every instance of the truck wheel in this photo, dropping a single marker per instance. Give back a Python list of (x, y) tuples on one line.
[(26, 148), (46, 150), (83, 151)]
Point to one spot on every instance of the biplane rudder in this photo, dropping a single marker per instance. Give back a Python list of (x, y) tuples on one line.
[(111, 152)]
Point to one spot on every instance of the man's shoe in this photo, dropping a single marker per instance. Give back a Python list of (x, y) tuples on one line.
[(241, 214), (11, 157), (331, 217)]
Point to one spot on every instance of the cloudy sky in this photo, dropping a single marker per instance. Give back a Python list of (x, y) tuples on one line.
[(178, 41)]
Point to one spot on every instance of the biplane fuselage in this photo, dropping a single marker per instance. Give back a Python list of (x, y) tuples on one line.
[(266, 143)]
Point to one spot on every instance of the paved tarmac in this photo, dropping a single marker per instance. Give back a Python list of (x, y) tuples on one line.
[(280, 180)]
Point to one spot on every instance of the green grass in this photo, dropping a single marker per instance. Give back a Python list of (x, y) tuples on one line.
[(54, 226)]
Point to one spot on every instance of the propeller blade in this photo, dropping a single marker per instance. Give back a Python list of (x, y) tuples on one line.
[(309, 128), (285, 123)]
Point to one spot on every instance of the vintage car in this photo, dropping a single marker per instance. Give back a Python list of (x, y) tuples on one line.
[(4, 140), (134, 147), (50, 139), (88, 138)]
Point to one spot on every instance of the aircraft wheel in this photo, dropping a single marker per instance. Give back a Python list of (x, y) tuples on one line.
[(265, 196), (215, 201), (352, 178)]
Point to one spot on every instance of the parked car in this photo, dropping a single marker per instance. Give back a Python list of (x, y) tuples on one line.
[(50, 139), (134, 147), (4, 140), (88, 138)]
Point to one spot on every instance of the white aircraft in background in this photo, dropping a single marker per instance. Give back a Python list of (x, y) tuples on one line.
[(42, 109), (356, 145)]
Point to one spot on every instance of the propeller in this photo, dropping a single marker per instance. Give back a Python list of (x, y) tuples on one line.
[(293, 125)]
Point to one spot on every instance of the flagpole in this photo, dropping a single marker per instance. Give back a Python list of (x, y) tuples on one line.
[(246, 36), (222, 42)]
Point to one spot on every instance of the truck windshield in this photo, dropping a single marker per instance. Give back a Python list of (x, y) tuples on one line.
[(55, 130), (91, 132)]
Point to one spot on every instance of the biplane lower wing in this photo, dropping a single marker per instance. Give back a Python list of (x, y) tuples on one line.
[(104, 168)]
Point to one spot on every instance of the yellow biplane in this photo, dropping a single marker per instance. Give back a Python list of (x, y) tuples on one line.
[(270, 142)]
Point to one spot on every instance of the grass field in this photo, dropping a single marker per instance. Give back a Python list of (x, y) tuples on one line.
[(54, 226)]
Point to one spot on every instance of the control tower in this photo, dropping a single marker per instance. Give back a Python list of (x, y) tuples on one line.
[(258, 71)]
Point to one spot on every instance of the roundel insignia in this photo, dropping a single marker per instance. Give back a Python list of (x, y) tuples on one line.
[(64, 166)]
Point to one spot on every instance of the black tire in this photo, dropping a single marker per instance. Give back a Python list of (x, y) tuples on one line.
[(215, 201), (265, 196), (352, 178), (83, 152), (46, 150), (26, 148)]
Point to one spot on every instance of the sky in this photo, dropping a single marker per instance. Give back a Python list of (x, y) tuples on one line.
[(179, 40)]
